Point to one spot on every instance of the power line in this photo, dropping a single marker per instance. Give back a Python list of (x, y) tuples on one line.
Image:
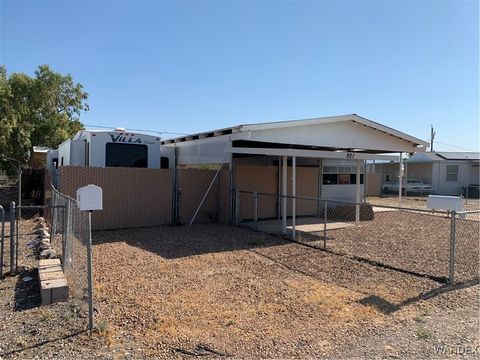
[(185, 106), (454, 146)]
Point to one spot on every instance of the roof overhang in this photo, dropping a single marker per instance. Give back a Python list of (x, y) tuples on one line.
[(280, 132), (340, 155)]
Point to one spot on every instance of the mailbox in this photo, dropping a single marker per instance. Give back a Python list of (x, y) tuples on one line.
[(89, 198)]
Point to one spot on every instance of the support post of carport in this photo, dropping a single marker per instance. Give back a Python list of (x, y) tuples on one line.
[(294, 193), (284, 195), (400, 180), (357, 192)]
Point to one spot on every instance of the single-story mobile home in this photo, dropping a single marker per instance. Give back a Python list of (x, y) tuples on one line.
[(448, 172)]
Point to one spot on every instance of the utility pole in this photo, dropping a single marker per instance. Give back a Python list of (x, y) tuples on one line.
[(432, 136)]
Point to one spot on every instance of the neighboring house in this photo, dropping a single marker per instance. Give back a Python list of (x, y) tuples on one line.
[(447, 172)]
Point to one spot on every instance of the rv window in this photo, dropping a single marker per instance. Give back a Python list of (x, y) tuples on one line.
[(126, 155), (164, 162), (61, 162)]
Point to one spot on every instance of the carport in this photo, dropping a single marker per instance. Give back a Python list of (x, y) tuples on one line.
[(272, 155)]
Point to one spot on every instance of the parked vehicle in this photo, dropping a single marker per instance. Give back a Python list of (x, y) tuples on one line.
[(408, 186)]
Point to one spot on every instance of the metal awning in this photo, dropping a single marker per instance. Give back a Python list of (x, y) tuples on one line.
[(341, 155)]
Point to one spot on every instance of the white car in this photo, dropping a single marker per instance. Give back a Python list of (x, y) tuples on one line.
[(409, 186)]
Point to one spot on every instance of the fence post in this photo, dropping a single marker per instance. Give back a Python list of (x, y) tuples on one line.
[(451, 273), (53, 229), (12, 237), (237, 205), (255, 209), (67, 258), (2, 239), (64, 232), (90, 274), (325, 207)]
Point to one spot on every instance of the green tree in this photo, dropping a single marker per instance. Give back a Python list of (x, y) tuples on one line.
[(43, 110)]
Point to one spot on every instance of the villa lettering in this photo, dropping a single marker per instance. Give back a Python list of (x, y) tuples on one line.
[(125, 139)]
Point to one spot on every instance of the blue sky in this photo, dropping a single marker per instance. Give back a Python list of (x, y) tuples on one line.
[(191, 66)]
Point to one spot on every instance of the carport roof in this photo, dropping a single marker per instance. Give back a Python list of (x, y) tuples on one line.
[(303, 122), (284, 125)]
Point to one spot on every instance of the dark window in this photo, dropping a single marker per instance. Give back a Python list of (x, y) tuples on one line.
[(164, 162), (126, 155), (61, 163), (55, 163), (330, 179), (353, 179)]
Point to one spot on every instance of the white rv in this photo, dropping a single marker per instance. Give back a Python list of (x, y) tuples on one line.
[(117, 148)]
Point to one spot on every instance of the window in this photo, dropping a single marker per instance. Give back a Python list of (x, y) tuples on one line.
[(164, 162), (344, 179), (330, 169), (353, 179), (126, 155), (452, 173), (341, 175), (387, 177), (330, 179)]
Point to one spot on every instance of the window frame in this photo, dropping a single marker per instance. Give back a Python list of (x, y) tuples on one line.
[(455, 173)]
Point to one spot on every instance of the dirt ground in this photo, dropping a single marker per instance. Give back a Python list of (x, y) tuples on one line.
[(213, 290)]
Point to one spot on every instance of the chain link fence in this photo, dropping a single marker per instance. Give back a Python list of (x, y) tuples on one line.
[(466, 232), (69, 233), (416, 241)]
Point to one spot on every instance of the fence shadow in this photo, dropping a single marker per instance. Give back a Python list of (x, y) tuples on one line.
[(42, 343), (388, 307), (27, 293), (172, 242)]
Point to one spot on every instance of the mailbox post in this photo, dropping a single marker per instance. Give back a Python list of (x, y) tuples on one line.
[(89, 198)]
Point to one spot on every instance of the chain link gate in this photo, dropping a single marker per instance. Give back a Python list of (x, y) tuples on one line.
[(20, 234), (51, 231)]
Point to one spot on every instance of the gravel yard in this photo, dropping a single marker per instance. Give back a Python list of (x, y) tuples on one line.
[(416, 202), (409, 241), (180, 292)]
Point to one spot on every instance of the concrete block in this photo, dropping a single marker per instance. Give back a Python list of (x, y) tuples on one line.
[(46, 262), (49, 268), (53, 275), (58, 289), (46, 295)]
